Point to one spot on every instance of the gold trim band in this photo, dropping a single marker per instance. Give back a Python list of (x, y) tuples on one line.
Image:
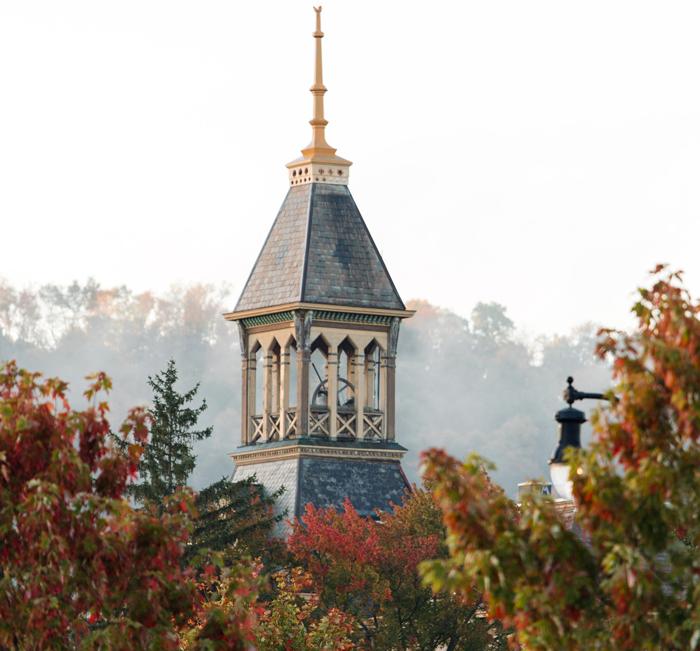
[(243, 314), (298, 451)]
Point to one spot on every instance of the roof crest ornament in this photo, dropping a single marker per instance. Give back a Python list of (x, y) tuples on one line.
[(318, 162)]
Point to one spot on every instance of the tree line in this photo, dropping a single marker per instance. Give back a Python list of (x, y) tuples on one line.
[(488, 387)]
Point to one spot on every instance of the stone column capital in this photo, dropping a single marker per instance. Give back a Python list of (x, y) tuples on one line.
[(242, 339), (302, 329)]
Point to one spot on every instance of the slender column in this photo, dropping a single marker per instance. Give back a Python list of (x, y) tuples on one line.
[(303, 363), (302, 328), (370, 381), (267, 394), (384, 399), (245, 371), (252, 373), (389, 380), (244, 400), (284, 390), (332, 386), (358, 362), (390, 392), (275, 381)]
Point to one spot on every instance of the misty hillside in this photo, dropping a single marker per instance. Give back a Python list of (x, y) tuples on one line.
[(465, 384)]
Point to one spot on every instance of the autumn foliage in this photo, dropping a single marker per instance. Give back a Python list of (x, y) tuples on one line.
[(79, 567), (294, 619), (635, 582), (368, 568)]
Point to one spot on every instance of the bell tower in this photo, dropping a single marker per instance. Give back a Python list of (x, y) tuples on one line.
[(318, 327)]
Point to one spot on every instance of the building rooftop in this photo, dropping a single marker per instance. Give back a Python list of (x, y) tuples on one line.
[(319, 250)]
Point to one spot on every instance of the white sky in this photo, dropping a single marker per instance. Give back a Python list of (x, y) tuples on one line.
[(541, 154)]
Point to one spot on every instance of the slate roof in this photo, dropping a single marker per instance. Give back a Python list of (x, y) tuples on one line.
[(323, 482), (319, 250), (369, 485)]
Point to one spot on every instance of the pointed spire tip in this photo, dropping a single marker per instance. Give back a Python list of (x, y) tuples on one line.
[(318, 33)]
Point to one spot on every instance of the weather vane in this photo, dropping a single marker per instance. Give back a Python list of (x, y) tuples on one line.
[(571, 394)]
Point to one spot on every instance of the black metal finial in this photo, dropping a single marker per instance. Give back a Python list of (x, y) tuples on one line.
[(570, 420), (568, 392)]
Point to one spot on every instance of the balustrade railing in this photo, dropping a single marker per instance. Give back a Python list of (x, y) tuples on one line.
[(319, 425), (346, 423), (256, 428), (319, 422), (373, 425), (274, 424), (291, 429)]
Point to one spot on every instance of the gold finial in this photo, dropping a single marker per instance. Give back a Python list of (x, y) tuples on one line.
[(318, 90), (318, 150)]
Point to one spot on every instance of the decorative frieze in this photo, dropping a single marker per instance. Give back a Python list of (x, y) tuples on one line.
[(352, 317), (297, 451), (267, 319)]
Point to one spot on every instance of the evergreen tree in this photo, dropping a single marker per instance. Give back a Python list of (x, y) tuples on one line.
[(168, 459), (235, 517)]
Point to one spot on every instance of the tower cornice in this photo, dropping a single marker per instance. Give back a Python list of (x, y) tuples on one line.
[(320, 307), (247, 455)]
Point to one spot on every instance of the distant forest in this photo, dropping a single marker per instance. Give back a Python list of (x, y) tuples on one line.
[(465, 384)]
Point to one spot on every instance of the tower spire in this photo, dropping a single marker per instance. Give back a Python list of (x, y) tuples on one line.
[(318, 162), (318, 123)]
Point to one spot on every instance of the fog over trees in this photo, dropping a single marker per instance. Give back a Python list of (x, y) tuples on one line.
[(463, 383)]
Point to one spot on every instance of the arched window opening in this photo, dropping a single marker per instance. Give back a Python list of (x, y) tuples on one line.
[(347, 380), (292, 349), (259, 380), (318, 375), (289, 414), (274, 379), (319, 423), (373, 370)]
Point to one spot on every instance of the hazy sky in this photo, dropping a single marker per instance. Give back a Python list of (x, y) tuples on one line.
[(541, 154)]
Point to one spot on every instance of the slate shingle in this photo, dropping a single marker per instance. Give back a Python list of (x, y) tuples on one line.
[(369, 485), (325, 482), (319, 250)]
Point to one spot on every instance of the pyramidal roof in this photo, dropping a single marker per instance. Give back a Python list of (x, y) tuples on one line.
[(319, 250)]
